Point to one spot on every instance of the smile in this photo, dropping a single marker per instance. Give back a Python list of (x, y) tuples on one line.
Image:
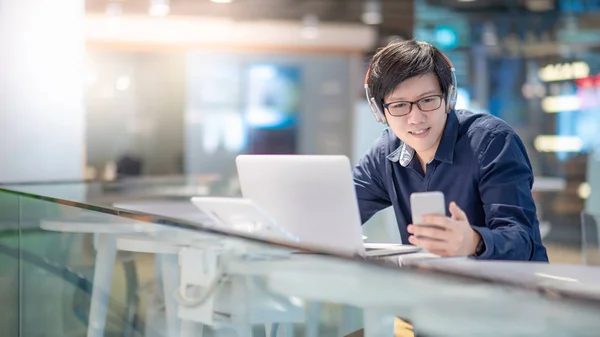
[(420, 133)]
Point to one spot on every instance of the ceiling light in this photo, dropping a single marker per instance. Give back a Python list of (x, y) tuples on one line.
[(371, 18), (466, 0), (221, 1), (372, 12), (159, 8)]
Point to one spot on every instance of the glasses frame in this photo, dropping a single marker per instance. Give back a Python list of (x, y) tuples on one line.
[(387, 105)]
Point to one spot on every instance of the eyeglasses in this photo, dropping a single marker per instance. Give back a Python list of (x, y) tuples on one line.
[(403, 108)]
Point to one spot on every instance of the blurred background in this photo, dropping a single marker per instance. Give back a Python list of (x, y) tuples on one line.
[(118, 89)]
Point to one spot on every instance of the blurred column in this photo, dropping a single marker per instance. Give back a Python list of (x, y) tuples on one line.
[(481, 94), (591, 189), (41, 90)]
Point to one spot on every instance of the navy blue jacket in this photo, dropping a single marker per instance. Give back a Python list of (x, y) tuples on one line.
[(481, 164)]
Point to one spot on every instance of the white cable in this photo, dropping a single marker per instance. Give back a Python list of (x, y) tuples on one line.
[(220, 278)]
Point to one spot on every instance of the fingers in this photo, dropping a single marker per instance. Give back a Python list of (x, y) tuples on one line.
[(435, 247), (457, 213), (433, 233), (437, 220)]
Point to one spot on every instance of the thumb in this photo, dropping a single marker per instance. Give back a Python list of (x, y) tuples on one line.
[(457, 213)]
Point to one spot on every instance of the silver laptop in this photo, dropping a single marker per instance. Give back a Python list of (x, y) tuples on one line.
[(313, 197)]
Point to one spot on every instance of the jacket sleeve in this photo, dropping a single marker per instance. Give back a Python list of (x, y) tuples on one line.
[(511, 230), (370, 188)]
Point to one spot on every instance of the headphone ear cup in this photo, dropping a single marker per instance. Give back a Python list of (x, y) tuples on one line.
[(375, 108), (451, 100), (377, 113)]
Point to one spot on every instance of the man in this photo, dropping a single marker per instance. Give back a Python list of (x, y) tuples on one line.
[(476, 160)]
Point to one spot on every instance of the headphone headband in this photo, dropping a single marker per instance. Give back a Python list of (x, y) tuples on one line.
[(451, 95)]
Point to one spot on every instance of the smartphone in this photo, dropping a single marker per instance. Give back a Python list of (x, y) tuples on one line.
[(423, 203)]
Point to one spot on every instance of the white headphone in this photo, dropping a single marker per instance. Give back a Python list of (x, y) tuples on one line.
[(377, 111)]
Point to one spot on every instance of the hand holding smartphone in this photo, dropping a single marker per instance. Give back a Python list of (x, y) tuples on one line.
[(443, 235)]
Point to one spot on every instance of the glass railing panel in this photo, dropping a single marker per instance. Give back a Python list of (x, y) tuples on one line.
[(73, 280), (95, 271), (9, 264)]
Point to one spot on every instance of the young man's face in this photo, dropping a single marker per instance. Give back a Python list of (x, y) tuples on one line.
[(421, 130)]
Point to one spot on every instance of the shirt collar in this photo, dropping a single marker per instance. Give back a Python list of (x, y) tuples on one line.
[(445, 152), (402, 154)]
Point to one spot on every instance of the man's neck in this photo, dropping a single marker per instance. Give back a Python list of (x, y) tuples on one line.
[(427, 156), (424, 158)]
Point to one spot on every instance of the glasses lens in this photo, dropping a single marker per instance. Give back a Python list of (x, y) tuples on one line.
[(399, 109), (429, 103)]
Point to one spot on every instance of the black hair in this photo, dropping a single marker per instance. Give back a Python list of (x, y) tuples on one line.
[(401, 60)]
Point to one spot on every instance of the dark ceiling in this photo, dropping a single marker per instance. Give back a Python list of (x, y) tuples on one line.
[(397, 14)]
